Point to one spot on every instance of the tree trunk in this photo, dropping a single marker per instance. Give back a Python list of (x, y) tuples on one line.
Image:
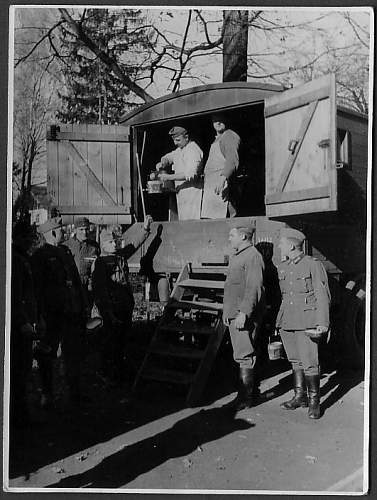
[(235, 45)]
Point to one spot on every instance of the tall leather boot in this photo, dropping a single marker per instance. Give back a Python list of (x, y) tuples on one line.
[(244, 398), (313, 384), (300, 399)]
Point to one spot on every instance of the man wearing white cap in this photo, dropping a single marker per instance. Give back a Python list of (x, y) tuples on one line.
[(303, 318), (186, 161), (62, 302), (243, 310)]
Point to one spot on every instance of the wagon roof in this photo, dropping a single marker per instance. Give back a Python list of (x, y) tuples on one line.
[(201, 99)]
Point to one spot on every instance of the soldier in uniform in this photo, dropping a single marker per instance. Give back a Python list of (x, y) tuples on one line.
[(84, 251), (113, 295), (61, 298), (304, 308), (243, 310), (23, 325)]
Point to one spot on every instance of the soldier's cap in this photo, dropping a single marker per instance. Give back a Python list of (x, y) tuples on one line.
[(292, 234), (243, 227), (176, 131), (218, 117), (82, 222), (50, 224), (106, 235)]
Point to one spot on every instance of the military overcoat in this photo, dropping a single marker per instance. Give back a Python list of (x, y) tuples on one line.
[(243, 289)]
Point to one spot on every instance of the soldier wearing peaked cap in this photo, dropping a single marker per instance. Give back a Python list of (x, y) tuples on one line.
[(243, 311), (50, 225), (186, 162), (304, 309), (61, 300)]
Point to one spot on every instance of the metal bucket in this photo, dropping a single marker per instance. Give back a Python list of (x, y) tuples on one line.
[(154, 187), (275, 350)]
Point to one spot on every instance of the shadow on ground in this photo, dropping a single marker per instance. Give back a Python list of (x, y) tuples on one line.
[(180, 440), (114, 411)]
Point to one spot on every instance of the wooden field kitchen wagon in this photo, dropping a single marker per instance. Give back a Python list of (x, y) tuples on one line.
[(306, 167)]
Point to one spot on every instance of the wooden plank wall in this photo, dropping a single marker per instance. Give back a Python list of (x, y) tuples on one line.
[(65, 166), (95, 160), (109, 161), (109, 170), (52, 172), (80, 184)]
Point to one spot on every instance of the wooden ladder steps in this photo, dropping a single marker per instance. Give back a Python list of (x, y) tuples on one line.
[(177, 350), (164, 375), (196, 283), (190, 304), (187, 327)]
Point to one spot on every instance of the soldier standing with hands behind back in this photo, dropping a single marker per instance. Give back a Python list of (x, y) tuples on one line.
[(302, 319)]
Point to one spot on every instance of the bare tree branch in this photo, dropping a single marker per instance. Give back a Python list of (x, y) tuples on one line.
[(353, 25), (47, 35), (181, 61)]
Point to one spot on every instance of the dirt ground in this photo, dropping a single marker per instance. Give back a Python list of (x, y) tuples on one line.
[(150, 440)]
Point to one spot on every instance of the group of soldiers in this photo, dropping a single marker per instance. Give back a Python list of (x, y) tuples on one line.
[(55, 287), (301, 321)]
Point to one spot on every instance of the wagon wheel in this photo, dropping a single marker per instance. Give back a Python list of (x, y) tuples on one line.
[(353, 324)]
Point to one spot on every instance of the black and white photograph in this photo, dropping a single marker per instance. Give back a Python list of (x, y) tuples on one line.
[(188, 251)]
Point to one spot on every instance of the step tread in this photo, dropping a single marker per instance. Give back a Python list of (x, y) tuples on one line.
[(190, 304), (197, 283), (188, 326)]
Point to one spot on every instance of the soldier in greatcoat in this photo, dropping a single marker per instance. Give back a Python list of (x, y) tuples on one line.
[(113, 294), (304, 310), (25, 322), (243, 310), (62, 300)]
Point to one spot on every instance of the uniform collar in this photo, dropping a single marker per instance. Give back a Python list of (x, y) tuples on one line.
[(244, 248), (296, 259)]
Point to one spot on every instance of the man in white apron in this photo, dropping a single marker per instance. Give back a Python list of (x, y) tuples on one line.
[(186, 161), (220, 171)]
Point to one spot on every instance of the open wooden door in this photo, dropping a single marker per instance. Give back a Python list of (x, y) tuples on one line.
[(88, 172), (300, 144)]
